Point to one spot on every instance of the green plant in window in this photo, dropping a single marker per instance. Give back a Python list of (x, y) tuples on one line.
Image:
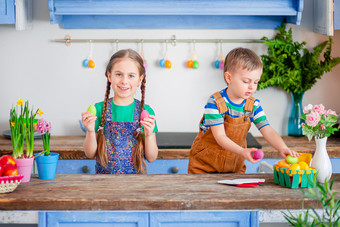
[(292, 67)]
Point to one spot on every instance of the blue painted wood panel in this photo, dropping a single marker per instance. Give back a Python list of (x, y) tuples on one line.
[(7, 13), (336, 17), (94, 219), (204, 219), (74, 166), (181, 14)]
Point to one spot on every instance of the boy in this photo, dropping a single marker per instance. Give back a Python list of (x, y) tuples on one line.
[(220, 146)]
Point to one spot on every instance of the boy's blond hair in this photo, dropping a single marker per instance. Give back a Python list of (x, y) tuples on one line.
[(242, 58)]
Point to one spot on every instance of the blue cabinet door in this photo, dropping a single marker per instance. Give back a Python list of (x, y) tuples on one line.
[(168, 166), (94, 219), (204, 219), (7, 15), (76, 166)]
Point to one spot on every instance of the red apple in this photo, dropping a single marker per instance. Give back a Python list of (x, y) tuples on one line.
[(7, 159), (10, 170), (1, 169)]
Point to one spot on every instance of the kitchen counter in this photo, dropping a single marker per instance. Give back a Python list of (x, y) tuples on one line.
[(71, 147), (153, 192)]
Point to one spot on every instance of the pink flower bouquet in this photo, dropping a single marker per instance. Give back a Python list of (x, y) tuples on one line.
[(319, 122)]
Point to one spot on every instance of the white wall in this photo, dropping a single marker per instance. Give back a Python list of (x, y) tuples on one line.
[(50, 75)]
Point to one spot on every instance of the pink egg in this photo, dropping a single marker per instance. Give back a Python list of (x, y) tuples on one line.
[(222, 64), (258, 154), (144, 114)]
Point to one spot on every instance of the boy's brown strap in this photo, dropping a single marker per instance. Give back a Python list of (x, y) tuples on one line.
[(249, 104), (220, 103)]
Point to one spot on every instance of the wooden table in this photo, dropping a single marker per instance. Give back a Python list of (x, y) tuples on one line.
[(153, 192), (71, 147)]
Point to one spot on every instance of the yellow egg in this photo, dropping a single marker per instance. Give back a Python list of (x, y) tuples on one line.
[(295, 167), (303, 165)]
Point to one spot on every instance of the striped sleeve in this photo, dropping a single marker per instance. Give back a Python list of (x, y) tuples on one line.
[(212, 116), (259, 119)]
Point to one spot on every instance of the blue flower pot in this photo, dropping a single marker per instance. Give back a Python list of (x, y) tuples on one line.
[(47, 165)]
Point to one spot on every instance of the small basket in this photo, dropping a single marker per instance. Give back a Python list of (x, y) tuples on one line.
[(294, 178), (9, 183)]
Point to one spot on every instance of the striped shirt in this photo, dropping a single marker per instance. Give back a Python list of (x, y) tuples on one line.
[(213, 117)]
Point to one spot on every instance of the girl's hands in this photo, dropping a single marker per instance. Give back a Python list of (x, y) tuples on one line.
[(88, 121), (248, 154), (149, 125)]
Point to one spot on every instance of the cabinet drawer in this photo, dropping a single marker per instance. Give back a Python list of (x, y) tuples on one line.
[(168, 166), (76, 166), (7, 15)]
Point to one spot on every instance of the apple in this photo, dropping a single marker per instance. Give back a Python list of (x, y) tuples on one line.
[(10, 170), (258, 154), (1, 169), (291, 159), (92, 109), (144, 115), (7, 159)]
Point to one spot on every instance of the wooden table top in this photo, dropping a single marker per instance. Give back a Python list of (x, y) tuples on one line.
[(153, 192), (71, 147)]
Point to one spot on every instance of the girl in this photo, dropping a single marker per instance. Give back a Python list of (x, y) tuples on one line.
[(122, 141)]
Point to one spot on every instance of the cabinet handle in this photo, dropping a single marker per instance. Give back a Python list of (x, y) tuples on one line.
[(85, 169), (174, 169)]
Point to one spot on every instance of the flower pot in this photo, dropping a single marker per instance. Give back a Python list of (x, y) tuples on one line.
[(47, 165), (25, 168), (321, 161), (294, 121)]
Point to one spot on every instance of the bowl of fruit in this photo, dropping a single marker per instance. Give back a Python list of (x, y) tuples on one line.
[(295, 172), (9, 177)]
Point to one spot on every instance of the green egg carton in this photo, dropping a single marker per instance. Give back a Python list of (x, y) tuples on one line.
[(294, 178)]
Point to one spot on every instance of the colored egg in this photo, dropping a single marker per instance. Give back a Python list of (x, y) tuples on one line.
[(217, 64), (195, 64), (91, 64), (258, 154), (168, 64), (221, 64), (92, 109), (291, 159), (145, 63), (303, 166), (144, 115), (162, 62), (283, 164), (189, 64), (86, 63)]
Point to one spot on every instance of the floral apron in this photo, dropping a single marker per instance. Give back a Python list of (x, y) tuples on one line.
[(120, 143), (206, 156)]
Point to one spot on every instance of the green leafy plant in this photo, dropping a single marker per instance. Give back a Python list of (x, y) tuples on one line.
[(292, 67), (329, 215)]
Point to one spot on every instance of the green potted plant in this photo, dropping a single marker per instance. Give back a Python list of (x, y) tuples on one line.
[(293, 68), (22, 129), (46, 160)]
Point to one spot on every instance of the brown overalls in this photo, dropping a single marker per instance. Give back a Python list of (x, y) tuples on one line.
[(206, 156)]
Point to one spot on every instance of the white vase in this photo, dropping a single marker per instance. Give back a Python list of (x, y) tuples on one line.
[(321, 161)]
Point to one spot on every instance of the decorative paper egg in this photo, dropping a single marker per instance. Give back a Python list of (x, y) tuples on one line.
[(221, 64), (217, 64), (195, 64), (92, 109), (162, 62), (86, 63), (144, 114), (189, 64), (168, 64), (91, 64), (258, 154), (145, 63)]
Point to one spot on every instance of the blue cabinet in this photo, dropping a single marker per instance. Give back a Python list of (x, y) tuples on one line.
[(149, 218), (7, 13)]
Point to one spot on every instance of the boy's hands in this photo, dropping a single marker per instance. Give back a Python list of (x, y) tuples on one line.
[(248, 154), (88, 121), (149, 125), (286, 151)]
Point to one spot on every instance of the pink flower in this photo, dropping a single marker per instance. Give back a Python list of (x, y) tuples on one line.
[(322, 127), (320, 109), (43, 126), (312, 119), (330, 112), (302, 124), (307, 108)]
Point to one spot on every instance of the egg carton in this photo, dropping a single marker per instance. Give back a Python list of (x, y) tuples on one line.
[(294, 178)]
